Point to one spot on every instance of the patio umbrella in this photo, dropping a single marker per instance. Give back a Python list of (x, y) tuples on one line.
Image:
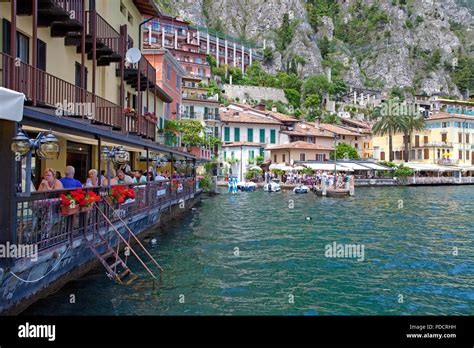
[(255, 168)]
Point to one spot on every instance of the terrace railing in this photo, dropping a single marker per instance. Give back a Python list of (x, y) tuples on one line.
[(40, 223), (51, 91), (73, 7), (105, 33)]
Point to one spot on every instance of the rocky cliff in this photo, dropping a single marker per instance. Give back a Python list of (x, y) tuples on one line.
[(402, 44)]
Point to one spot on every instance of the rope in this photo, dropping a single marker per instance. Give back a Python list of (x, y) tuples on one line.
[(37, 280)]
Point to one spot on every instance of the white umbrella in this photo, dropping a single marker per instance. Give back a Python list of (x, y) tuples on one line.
[(255, 168), (298, 168)]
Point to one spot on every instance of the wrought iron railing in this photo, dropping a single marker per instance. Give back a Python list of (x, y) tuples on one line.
[(39, 221), (104, 32)]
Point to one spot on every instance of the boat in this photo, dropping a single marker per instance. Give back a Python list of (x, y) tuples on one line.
[(334, 193), (273, 186), (247, 186), (301, 189)]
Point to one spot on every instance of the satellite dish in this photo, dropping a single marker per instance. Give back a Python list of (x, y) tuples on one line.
[(133, 55)]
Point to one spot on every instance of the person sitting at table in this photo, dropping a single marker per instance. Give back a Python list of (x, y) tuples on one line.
[(122, 178), (92, 180), (139, 177), (159, 177), (49, 181), (68, 181), (113, 179)]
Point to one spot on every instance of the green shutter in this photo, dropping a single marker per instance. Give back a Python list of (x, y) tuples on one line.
[(262, 135), (236, 134), (232, 154), (272, 136), (262, 151), (225, 155), (251, 155), (250, 135), (226, 133)]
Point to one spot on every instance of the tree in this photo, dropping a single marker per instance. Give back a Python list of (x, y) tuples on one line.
[(268, 55), (410, 124), (388, 124), (345, 151), (312, 103), (331, 119), (324, 47), (293, 96), (317, 84)]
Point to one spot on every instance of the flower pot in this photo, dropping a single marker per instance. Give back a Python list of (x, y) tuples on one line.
[(86, 209), (67, 210)]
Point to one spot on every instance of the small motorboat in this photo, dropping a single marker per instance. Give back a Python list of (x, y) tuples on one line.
[(273, 186), (247, 186), (301, 189)]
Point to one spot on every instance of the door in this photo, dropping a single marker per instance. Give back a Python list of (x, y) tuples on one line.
[(79, 156), (472, 154), (78, 80)]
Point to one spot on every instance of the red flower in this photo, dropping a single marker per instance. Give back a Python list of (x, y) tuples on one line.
[(120, 200)]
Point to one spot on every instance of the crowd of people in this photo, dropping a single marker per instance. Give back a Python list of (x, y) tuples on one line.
[(295, 178), (52, 180)]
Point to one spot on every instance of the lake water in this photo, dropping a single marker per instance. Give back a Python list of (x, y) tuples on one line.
[(261, 253)]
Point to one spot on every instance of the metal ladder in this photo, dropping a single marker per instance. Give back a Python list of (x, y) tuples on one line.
[(111, 269)]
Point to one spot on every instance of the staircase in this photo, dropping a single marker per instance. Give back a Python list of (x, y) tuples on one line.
[(124, 271)]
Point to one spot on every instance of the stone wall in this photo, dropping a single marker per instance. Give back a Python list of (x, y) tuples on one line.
[(254, 92)]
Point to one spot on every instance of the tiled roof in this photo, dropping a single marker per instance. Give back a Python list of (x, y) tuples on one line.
[(337, 129), (243, 117), (445, 115), (279, 116), (312, 130), (303, 145)]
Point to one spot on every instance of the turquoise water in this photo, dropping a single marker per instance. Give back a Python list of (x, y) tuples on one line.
[(281, 268)]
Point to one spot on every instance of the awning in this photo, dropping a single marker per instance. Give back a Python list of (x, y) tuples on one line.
[(327, 167), (11, 105), (356, 166), (374, 166), (281, 166)]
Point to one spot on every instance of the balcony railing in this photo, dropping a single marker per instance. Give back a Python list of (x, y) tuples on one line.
[(438, 144), (140, 125), (448, 162), (188, 115), (40, 223), (51, 91), (105, 33)]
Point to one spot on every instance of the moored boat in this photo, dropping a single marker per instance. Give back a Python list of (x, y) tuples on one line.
[(273, 186), (301, 189)]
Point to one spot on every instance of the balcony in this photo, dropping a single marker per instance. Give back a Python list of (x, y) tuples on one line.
[(110, 44), (46, 90), (212, 117), (140, 125), (55, 14), (441, 144), (188, 115), (147, 75), (448, 162)]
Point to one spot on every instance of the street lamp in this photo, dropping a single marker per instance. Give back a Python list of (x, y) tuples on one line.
[(116, 154), (45, 145)]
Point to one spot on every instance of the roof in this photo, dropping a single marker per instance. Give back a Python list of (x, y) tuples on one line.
[(160, 93), (337, 129), (312, 130), (147, 7), (279, 116), (243, 117), (357, 123), (302, 145), (243, 143), (445, 115)]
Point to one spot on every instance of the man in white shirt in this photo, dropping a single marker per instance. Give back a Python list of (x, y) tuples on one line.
[(123, 178)]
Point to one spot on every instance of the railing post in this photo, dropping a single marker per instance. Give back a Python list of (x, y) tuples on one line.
[(35, 48), (13, 71)]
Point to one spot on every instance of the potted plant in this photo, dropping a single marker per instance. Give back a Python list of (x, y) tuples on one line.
[(121, 195), (129, 111), (69, 204), (88, 202)]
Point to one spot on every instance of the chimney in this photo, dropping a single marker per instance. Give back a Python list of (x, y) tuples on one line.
[(274, 108), (260, 107)]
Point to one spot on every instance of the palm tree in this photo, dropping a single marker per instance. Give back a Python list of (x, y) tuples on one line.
[(410, 124), (387, 125)]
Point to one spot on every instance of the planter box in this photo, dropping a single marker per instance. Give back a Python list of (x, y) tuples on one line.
[(65, 211), (86, 209)]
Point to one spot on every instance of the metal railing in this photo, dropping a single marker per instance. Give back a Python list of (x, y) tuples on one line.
[(72, 7), (51, 91), (104, 32), (448, 161), (39, 221)]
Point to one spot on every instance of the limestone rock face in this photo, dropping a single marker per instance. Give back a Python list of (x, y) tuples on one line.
[(387, 60)]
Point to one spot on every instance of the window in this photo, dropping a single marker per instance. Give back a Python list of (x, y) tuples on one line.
[(23, 42), (460, 154), (425, 139), (420, 154), (250, 135), (467, 138), (130, 18), (225, 155), (444, 137), (283, 158), (459, 137), (319, 157), (168, 71), (226, 133), (251, 154), (177, 81), (467, 155), (123, 9), (417, 141), (167, 111), (302, 157), (382, 156), (426, 154), (236, 134), (177, 111), (262, 135), (356, 145), (275, 158), (262, 151), (232, 155), (272, 136)]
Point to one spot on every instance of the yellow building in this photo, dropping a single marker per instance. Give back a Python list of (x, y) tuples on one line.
[(69, 60), (447, 140)]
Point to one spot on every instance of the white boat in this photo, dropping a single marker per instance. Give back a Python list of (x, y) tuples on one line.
[(301, 189), (247, 186), (273, 186)]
